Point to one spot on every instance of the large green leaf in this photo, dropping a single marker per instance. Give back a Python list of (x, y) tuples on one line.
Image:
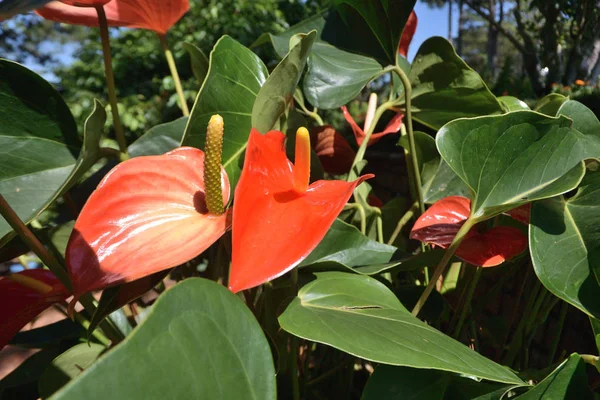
[(445, 87), (402, 383), (515, 158), (372, 28), (234, 79), (277, 92), (344, 244), (550, 104), (67, 366), (584, 119), (199, 61), (564, 239), (159, 139), (198, 342), (511, 103), (39, 143), (335, 76), (568, 381), (359, 315)]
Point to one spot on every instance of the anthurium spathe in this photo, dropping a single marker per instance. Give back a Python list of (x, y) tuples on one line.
[(392, 127), (23, 296), (148, 214), (333, 149), (408, 33), (441, 222), (278, 218)]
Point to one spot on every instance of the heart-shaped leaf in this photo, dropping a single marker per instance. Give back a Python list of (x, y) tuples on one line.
[(550, 104), (277, 92), (565, 245), (234, 79), (159, 139), (515, 158), (148, 214), (441, 222), (445, 87), (40, 146), (568, 381), (511, 103), (382, 330), (584, 119), (372, 28), (198, 335), (200, 63)]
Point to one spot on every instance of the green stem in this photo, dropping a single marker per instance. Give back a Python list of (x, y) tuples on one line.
[(175, 74), (411, 137), (363, 215), (110, 80), (96, 333), (313, 114), (439, 270), (561, 322), (379, 222), (34, 243), (403, 221), (590, 359), (467, 304)]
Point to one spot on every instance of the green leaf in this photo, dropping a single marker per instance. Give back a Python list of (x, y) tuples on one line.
[(515, 158), (596, 329), (198, 341), (159, 139), (67, 366), (335, 77), (281, 41), (359, 315), (584, 119), (199, 61), (550, 104), (372, 28), (568, 381), (60, 236), (445, 87), (344, 244), (39, 143), (511, 103), (113, 298), (564, 239), (28, 372), (404, 383), (234, 79), (277, 92), (48, 335)]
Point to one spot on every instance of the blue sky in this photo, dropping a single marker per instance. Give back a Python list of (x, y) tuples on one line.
[(432, 22)]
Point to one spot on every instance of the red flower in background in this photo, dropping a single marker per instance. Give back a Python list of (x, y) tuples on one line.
[(148, 214), (155, 15), (408, 33), (333, 150), (392, 127), (23, 296), (85, 3), (441, 222), (278, 219)]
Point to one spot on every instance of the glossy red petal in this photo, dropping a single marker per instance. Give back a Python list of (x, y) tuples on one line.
[(408, 33), (392, 127), (21, 304), (441, 222), (85, 3), (155, 15), (521, 214), (333, 150), (493, 247), (275, 227), (148, 214)]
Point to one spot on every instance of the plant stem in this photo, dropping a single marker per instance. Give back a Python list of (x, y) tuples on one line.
[(33, 242), (174, 73), (379, 222), (416, 177), (439, 270), (403, 221), (561, 322), (467, 304), (110, 80), (362, 213)]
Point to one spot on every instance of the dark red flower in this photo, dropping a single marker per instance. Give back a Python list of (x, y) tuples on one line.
[(441, 222), (333, 150), (408, 33), (392, 127), (278, 219)]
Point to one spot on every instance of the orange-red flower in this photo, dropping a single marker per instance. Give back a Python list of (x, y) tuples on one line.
[(148, 214), (579, 82), (333, 149), (278, 218), (392, 127), (441, 222), (155, 15), (23, 296), (85, 3), (408, 33)]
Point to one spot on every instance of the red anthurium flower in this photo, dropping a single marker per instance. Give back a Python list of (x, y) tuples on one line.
[(23, 296), (278, 219), (408, 33), (333, 149), (521, 213), (85, 3), (155, 15), (148, 214), (441, 222), (392, 127)]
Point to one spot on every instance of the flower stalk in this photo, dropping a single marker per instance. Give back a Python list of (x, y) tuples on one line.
[(175, 74)]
